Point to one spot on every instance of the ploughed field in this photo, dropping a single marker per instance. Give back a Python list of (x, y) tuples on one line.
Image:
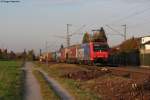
[(103, 83), (10, 80)]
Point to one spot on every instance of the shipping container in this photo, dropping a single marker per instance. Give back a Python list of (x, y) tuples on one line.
[(46, 57), (84, 54), (80, 54), (53, 57), (72, 54), (86, 48), (64, 55), (58, 56)]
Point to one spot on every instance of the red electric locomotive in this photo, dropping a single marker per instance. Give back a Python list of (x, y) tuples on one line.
[(93, 52)]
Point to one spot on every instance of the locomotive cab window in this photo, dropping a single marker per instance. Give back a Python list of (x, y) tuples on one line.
[(100, 47)]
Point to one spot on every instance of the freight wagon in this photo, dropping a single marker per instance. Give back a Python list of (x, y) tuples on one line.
[(53, 57), (58, 56), (46, 57), (63, 54), (71, 55)]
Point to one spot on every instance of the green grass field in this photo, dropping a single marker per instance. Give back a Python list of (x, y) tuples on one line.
[(46, 89), (10, 80)]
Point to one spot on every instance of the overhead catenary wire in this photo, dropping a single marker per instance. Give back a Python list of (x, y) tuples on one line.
[(127, 17), (119, 33), (131, 15), (74, 33), (49, 46), (77, 31), (141, 23), (119, 20), (68, 37)]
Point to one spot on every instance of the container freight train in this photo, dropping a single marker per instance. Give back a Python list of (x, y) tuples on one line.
[(88, 53)]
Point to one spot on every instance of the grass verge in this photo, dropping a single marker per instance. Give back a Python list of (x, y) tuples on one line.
[(11, 80), (71, 85), (46, 89)]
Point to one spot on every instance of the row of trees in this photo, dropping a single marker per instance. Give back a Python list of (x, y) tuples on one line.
[(98, 36), (5, 55), (130, 45), (30, 55)]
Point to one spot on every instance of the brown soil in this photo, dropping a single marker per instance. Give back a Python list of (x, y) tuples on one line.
[(112, 84), (85, 75), (109, 83), (118, 88)]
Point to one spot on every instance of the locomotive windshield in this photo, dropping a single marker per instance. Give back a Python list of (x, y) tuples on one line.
[(100, 47)]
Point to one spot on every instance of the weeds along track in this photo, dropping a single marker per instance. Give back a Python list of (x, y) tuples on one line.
[(110, 83), (127, 72), (123, 83), (89, 72), (133, 73)]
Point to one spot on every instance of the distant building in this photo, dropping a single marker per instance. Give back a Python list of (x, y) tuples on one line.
[(145, 42), (145, 51)]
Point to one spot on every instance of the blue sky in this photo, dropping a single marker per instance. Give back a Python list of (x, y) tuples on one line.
[(30, 23)]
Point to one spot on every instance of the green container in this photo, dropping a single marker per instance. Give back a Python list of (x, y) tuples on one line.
[(145, 59)]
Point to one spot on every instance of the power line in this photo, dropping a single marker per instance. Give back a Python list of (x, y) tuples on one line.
[(119, 33), (137, 6), (68, 37), (76, 32), (125, 31), (132, 15), (140, 23), (125, 18), (64, 37)]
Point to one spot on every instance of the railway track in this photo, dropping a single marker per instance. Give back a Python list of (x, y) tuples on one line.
[(115, 82), (128, 72), (131, 69)]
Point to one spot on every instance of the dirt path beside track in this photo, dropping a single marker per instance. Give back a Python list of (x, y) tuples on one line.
[(59, 90), (32, 88)]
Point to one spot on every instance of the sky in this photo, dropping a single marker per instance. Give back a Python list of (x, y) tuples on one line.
[(30, 23)]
